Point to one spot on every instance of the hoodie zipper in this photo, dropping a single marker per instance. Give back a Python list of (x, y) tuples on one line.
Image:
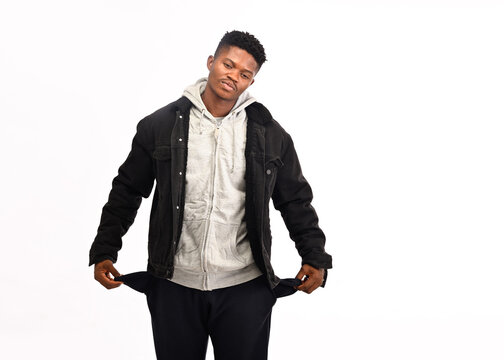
[(212, 194)]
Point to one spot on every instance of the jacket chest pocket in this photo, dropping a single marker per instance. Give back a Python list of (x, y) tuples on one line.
[(270, 172), (162, 153), (162, 157)]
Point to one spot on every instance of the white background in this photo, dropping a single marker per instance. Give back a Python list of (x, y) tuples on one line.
[(396, 111)]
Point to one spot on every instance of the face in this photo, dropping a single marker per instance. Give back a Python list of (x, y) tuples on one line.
[(231, 73)]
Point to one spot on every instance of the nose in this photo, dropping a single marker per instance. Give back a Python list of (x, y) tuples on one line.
[(233, 75)]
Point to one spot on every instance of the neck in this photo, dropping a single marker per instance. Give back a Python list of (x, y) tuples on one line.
[(216, 106)]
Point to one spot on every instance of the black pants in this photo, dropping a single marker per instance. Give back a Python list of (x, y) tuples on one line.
[(237, 318)]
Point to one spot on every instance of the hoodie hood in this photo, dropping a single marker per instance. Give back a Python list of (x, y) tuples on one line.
[(193, 93)]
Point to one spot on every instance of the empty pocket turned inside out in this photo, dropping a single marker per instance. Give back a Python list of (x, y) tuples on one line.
[(139, 281), (286, 287)]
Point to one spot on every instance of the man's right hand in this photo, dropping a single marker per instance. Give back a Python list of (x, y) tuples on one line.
[(105, 272)]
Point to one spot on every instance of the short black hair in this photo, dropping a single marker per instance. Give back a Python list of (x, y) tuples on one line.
[(245, 41)]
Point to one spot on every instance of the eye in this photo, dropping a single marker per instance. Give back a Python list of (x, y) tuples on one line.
[(245, 76), (227, 65)]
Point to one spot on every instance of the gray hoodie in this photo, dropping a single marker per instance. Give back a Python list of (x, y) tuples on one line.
[(214, 251)]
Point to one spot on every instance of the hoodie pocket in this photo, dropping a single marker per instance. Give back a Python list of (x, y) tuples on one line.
[(227, 249), (192, 236)]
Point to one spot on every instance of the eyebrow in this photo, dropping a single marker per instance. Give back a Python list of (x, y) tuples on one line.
[(245, 70)]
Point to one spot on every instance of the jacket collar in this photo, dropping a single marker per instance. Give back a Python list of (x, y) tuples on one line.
[(258, 113)]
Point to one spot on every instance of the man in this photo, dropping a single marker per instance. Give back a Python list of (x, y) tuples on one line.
[(217, 157)]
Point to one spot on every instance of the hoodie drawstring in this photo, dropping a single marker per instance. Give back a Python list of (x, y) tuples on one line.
[(202, 114), (233, 119)]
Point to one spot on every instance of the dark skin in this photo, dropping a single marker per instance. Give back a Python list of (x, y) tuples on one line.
[(105, 272), (231, 72), (313, 278)]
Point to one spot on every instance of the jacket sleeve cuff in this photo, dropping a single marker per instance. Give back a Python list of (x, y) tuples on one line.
[(99, 258), (318, 259)]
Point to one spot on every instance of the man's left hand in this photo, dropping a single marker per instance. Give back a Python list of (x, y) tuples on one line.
[(313, 278)]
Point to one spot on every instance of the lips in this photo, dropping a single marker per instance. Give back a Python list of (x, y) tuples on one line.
[(228, 85)]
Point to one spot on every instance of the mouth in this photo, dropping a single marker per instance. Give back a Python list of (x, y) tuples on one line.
[(229, 86)]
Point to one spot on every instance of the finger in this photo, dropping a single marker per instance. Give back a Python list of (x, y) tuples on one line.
[(306, 284), (110, 284), (318, 281), (103, 278), (112, 278), (303, 283), (108, 268), (311, 283), (114, 271), (300, 274), (312, 287)]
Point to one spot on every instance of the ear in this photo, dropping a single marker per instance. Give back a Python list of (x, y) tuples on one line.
[(252, 82), (210, 62)]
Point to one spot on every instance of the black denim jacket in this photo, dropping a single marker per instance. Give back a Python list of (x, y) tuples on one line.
[(159, 152)]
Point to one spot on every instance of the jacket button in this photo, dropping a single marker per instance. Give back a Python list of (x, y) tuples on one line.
[(180, 139), (180, 116), (177, 207), (268, 171), (180, 173)]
